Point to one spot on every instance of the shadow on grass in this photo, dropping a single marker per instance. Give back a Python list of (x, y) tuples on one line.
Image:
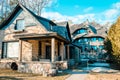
[(61, 74), (9, 78), (114, 66)]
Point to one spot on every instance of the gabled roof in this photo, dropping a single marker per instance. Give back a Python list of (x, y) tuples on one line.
[(42, 20), (8, 19), (64, 26), (17, 8), (48, 24), (97, 29)]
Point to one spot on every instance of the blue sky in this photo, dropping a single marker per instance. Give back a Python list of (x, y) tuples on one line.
[(101, 11)]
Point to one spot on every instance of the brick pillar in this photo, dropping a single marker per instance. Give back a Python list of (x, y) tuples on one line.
[(53, 49)]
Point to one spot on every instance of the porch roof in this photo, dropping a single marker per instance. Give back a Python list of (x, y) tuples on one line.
[(39, 36)]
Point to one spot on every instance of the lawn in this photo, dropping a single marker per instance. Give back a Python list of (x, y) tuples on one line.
[(6, 74), (103, 76)]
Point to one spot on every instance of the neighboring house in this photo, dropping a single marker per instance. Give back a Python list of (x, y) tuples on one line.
[(34, 43), (90, 37)]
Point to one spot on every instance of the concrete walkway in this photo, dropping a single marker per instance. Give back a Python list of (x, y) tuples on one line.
[(77, 75)]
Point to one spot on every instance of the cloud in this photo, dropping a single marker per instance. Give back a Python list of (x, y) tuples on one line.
[(88, 9), (116, 5), (75, 19), (109, 15), (112, 14)]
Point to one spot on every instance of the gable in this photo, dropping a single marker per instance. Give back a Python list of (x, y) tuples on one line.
[(21, 13)]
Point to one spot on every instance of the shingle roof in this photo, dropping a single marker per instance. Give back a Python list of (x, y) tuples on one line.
[(97, 29), (64, 28), (9, 18), (61, 30)]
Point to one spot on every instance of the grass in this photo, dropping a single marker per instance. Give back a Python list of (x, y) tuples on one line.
[(7, 74), (100, 76)]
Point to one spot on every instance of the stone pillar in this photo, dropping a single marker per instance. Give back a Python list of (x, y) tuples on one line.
[(62, 51), (20, 50), (53, 49), (43, 53), (68, 53)]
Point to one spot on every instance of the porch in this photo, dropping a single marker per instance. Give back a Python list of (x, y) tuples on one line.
[(42, 53)]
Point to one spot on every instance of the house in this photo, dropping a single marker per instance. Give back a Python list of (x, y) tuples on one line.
[(89, 36), (33, 44)]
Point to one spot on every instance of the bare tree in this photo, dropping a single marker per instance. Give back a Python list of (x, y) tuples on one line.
[(36, 5), (6, 6), (3, 9)]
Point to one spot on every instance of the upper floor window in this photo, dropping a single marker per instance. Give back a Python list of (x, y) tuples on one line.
[(20, 24), (100, 39), (81, 31)]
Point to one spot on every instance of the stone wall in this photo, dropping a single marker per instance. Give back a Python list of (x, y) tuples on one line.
[(42, 67), (6, 63), (61, 65), (34, 67)]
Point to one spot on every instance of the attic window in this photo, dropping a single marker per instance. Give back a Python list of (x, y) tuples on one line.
[(20, 24)]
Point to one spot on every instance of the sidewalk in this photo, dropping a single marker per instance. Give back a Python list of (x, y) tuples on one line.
[(77, 75)]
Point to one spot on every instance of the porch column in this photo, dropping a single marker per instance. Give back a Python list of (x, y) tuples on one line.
[(53, 49), (20, 50), (62, 51), (68, 52)]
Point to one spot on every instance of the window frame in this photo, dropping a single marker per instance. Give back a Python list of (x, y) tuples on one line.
[(4, 54), (23, 27)]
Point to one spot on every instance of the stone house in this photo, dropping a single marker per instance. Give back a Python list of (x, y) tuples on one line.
[(89, 36), (32, 43)]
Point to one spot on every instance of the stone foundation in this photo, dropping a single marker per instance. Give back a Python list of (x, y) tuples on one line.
[(34, 67), (62, 65), (6, 63)]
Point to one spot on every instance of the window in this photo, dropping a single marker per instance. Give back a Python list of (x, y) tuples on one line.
[(20, 24), (101, 47), (93, 39), (10, 50), (85, 39), (94, 47), (100, 39), (80, 31), (79, 40)]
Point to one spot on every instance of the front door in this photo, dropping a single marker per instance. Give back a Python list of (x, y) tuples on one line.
[(48, 52)]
